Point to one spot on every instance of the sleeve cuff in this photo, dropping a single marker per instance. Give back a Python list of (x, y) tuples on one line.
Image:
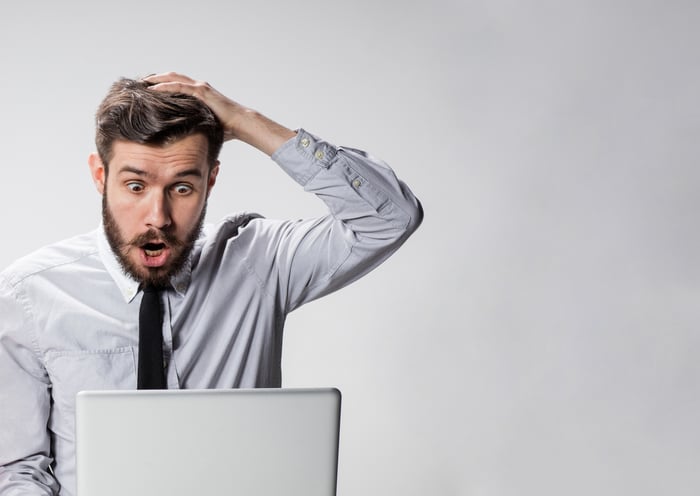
[(304, 155)]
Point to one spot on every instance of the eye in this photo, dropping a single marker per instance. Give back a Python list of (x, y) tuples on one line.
[(134, 187), (183, 189)]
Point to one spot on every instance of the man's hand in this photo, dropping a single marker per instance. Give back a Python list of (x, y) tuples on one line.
[(239, 122)]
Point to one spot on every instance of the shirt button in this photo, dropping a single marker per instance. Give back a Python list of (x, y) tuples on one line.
[(319, 154), (305, 142), (357, 183)]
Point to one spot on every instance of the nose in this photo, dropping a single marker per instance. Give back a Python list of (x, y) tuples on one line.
[(158, 214)]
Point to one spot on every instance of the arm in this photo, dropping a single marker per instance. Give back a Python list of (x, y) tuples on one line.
[(371, 212), (24, 403)]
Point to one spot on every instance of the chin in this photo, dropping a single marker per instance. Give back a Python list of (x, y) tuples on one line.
[(158, 278), (149, 276)]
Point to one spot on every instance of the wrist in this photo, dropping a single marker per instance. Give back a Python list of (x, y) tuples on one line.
[(252, 127)]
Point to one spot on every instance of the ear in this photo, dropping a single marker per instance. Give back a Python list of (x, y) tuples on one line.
[(97, 171), (212, 177)]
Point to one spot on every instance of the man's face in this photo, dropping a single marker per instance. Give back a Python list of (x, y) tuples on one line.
[(153, 204)]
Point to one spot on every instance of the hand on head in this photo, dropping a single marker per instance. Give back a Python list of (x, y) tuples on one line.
[(228, 111), (238, 121)]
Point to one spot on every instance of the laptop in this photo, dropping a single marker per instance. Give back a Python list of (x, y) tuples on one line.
[(252, 442)]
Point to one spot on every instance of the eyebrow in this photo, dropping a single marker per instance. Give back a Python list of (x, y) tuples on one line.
[(139, 172)]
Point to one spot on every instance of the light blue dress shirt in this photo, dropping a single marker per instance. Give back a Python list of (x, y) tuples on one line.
[(69, 314)]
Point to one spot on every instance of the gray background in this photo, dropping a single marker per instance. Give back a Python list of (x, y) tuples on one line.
[(538, 335)]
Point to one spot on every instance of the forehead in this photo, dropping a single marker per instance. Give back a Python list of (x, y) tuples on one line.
[(190, 151)]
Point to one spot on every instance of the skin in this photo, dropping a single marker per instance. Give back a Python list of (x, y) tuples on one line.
[(155, 201)]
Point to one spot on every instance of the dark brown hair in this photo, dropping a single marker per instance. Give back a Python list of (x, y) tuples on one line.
[(132, 112)]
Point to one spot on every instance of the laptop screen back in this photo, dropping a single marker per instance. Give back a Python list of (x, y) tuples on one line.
[(256, 442)]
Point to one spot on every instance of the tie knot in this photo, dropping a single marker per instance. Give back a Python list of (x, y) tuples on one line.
[(150, 289)]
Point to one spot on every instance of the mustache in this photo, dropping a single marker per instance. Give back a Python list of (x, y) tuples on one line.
[(155, 236)]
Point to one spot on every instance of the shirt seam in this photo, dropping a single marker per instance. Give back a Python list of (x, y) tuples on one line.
[(21, 298), (14, 280), (329, 275), (382, 209)]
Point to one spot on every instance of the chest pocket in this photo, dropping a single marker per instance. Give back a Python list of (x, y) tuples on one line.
[(89, 370)]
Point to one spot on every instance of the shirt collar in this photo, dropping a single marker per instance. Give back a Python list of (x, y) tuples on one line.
[(128, 286)]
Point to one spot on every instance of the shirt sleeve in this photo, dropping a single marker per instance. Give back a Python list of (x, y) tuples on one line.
[(371, 214), (24, 402)]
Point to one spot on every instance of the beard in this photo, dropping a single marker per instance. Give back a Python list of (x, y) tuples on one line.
[(158, 277)]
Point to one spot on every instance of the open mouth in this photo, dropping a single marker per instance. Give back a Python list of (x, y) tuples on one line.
[(153, 249)]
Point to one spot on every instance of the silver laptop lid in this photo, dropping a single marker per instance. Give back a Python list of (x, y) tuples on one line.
[(254, 442)]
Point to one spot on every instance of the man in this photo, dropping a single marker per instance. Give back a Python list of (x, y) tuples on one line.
[(69, 313)]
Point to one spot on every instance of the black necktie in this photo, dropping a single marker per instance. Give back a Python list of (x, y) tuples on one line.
[(150, 373)]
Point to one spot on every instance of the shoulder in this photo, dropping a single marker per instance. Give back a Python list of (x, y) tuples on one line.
[(243, 236), (246, 228), (57, 255), (239, 226)]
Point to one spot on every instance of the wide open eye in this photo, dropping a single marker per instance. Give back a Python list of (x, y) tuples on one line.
[(182, 189), (134, 187)]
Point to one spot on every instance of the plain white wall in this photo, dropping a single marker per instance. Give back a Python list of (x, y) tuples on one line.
[(539, 334)]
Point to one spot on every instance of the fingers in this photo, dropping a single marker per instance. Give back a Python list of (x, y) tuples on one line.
[(173, 82), (173, 87), (167, 77)]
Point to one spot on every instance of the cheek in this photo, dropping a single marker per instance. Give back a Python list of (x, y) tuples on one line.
[(124, 214), (187, 214)]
